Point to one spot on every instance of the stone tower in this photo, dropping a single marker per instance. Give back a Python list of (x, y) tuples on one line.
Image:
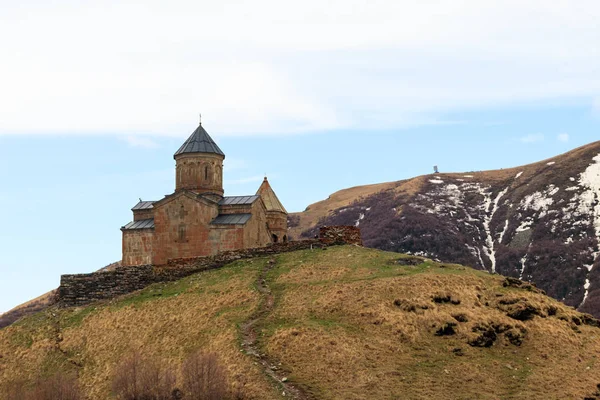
[(199, 164)]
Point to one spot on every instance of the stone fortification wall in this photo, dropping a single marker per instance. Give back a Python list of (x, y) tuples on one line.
[(82, 289), (340, 235)]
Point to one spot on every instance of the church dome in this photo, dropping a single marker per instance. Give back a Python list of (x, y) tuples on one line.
[(199, 142)]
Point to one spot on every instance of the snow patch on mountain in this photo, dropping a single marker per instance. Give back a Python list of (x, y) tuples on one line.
[(360, 218), (586, 287), (523, 261), (589, 201), (491, 207), (540, 201), (525, 225), (503, 231), (590, 179), (455, 200)]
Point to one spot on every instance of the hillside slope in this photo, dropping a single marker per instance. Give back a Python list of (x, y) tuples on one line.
[(540, 222), (341, 323), (32, 306), (38, 304)]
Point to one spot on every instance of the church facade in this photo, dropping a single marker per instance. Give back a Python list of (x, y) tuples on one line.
[(197, 219)]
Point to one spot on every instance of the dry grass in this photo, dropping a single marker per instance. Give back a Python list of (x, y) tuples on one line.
[(348, 323), (369, 347), (165, 322)]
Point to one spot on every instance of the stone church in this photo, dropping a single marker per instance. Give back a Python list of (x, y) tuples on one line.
[(197, 219)]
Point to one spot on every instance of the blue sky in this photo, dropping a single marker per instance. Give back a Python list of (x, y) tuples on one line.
[(318, 97)]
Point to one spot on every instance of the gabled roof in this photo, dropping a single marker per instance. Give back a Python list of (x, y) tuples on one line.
[(199, 142), (269, 197), (143, 205), (231, 219), (187, 193), (237, 200), (141, 224)]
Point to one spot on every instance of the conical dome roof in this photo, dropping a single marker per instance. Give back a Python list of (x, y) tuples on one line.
[(269, 197), (199, 142)]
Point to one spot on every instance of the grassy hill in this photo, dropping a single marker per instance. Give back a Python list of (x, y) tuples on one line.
[(538, 222), (341, 323)]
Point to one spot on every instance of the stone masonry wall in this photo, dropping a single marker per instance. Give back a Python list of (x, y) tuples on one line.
[(137, 247), (177, 234), (82, 289), (340, 235)]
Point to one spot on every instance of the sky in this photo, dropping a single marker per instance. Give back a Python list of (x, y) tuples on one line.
[(95, 97)]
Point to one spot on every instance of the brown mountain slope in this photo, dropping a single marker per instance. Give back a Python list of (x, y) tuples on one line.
[(40, 303), (300, 222), (341, 323), (32, 306), (539, 222)]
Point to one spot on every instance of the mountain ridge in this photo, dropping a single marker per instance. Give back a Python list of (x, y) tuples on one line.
[(539, 222)]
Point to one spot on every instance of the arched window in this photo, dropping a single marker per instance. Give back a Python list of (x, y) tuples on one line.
[(275, 238), (181, 234), (206, 173)]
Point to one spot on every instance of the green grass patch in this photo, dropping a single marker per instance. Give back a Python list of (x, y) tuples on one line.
[(21, 339), (75, 317), (197, 283)]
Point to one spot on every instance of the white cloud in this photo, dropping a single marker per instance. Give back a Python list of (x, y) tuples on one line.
[(563, 137), (283, 68), (533, 138), (140, 141)]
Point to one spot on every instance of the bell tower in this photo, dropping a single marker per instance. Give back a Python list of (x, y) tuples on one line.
[(199, 164)]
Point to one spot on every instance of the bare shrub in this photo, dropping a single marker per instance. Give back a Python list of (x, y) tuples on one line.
[(203, 377), (140, 378), (15, 391), (57, 387), (238, 388)]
